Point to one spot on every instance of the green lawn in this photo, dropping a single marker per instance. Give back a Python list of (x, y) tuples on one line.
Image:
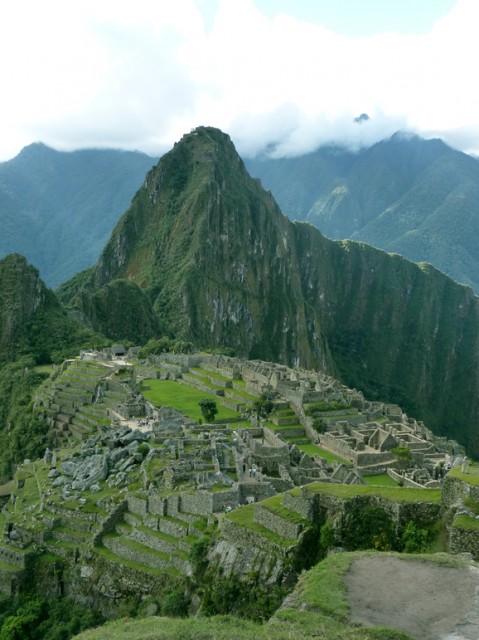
[(183, 398), (381, 480), (311, 449), (471, 476), (396, 494)]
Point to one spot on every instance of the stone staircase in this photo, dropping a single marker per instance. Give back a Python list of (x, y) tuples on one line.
[(71, 529), (154, 535), (80, 398)]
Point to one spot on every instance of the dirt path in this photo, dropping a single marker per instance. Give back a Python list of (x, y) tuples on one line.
[(424, 599)]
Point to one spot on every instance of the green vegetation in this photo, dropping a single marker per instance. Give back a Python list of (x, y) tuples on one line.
[(42, 619), (471, 476), (466, 522), (263, 406), (208, 409), (381, 479), (312, 449), (398, 494), (403, 456), (182, 397), (23, 430), (157, 346)]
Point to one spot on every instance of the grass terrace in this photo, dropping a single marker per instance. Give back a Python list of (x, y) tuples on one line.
[(381, 480), (466, 522), (244, 517), (183, 398), (471, 476), (395, 494), (313, 449)]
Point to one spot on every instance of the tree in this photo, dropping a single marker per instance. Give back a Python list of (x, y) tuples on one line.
[(208, 409), (403, 457), (263, 406)]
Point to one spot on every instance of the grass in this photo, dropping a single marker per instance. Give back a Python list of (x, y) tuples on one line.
[(395, 494), (381, 480), (321, 612), (312, 449), (44, 368), (275, 505), (112, 557), (183, 398), (209, 374), (466, 522), (244, 517), (471, 476)]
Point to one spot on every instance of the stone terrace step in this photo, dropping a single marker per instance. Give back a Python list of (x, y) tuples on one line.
[(153, 539), (173, 526), (111, 556), (288, 431), (73, 536), (239, 525), (240, 396), (214, 378), (279, 519), (136, 552), (12, 556), (202, 384)]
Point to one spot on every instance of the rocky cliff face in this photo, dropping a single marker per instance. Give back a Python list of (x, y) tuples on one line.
[(32, 320), (222, 266), (22, 293)]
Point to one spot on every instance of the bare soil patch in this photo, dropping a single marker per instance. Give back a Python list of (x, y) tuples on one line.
[(424, 599)]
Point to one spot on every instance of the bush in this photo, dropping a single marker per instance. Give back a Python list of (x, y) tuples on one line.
[(175, 603), (415, 539), (366, 526), (143, 448), (208, 409)]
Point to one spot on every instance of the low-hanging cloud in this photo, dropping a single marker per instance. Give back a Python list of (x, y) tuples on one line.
[(140, 75)]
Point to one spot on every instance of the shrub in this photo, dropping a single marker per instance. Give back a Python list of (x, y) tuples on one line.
[(366, 526), (208, 409), (415, 539)]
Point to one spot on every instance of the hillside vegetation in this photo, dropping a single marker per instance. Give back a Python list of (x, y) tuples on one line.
[(207, 252), (406, 195), (58, 209)]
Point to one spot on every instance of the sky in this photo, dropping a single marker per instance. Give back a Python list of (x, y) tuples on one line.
[(284, 76)]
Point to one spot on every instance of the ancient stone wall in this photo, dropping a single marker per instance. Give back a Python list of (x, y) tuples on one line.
[(278, 524), (464, 541)]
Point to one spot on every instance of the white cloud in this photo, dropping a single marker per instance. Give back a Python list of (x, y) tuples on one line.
[(139, 75)]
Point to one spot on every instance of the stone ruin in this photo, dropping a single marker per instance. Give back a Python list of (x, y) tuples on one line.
[(362, 432)]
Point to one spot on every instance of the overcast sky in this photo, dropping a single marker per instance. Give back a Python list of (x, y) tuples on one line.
[(292, 73)]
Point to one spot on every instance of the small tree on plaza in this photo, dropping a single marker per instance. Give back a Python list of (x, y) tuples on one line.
[(208, 409), (263, 406), (403, 457)]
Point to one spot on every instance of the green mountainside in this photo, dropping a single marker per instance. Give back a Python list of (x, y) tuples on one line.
[(406, 195), (221, 266), (34, 329), (58, 209)]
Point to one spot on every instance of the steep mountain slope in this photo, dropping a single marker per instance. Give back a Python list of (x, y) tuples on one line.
[(415, 197), (222, 266), (58, 209), (32, 320)]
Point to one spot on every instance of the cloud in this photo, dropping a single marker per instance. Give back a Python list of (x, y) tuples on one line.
[(139, 75)]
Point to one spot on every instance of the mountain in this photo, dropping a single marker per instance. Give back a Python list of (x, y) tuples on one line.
[(58, 209), (32, 319), (406, 195), (209, 254)]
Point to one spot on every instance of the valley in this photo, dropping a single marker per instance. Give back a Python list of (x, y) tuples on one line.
[(297, 405)]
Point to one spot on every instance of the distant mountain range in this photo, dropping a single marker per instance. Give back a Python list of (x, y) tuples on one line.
[(58, 209), (406, 195), (205, 254)]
